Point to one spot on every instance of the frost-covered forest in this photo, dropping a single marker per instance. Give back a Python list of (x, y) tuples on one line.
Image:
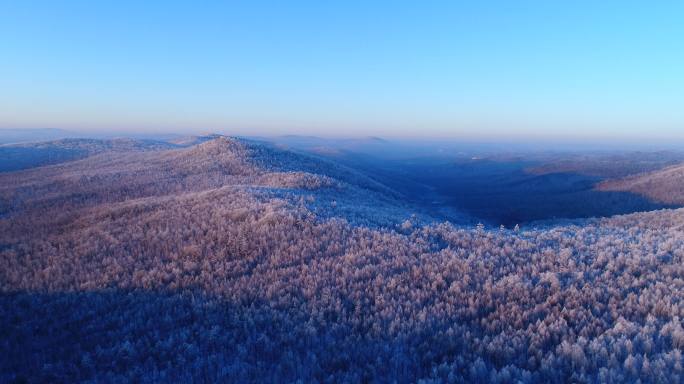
[(235, 261), (664, 185)]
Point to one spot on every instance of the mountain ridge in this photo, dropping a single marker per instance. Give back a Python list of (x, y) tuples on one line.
[(236, 261)]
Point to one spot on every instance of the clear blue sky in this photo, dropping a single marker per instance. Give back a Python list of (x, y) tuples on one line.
[(389, 68)]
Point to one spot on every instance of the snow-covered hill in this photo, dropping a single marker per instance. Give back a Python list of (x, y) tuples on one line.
[(233, 261), (15, 157), (664, 185)]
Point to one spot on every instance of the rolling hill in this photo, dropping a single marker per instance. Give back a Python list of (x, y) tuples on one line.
[(236, 261), (664, 185), (112, 171), (605, 164), (15, 157)]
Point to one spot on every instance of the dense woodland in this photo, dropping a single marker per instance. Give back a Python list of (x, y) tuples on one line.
[(233, 261)]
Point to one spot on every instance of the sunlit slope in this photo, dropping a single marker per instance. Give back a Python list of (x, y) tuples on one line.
[(15, 157), (665, 185), (228, 262), (121, 173)]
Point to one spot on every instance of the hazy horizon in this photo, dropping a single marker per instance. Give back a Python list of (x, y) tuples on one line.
[(558, 142), (488, 70)]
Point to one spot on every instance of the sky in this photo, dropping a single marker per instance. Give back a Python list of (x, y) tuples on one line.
[(575, 69)]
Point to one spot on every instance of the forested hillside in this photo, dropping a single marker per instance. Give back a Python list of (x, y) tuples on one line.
[(15, 157), (606, 164), (664, 185), (238, 262)]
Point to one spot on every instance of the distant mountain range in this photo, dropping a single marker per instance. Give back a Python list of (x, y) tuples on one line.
[(10, 136), (28, 135)]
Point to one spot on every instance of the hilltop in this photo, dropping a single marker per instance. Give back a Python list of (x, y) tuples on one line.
[(110, 171)]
